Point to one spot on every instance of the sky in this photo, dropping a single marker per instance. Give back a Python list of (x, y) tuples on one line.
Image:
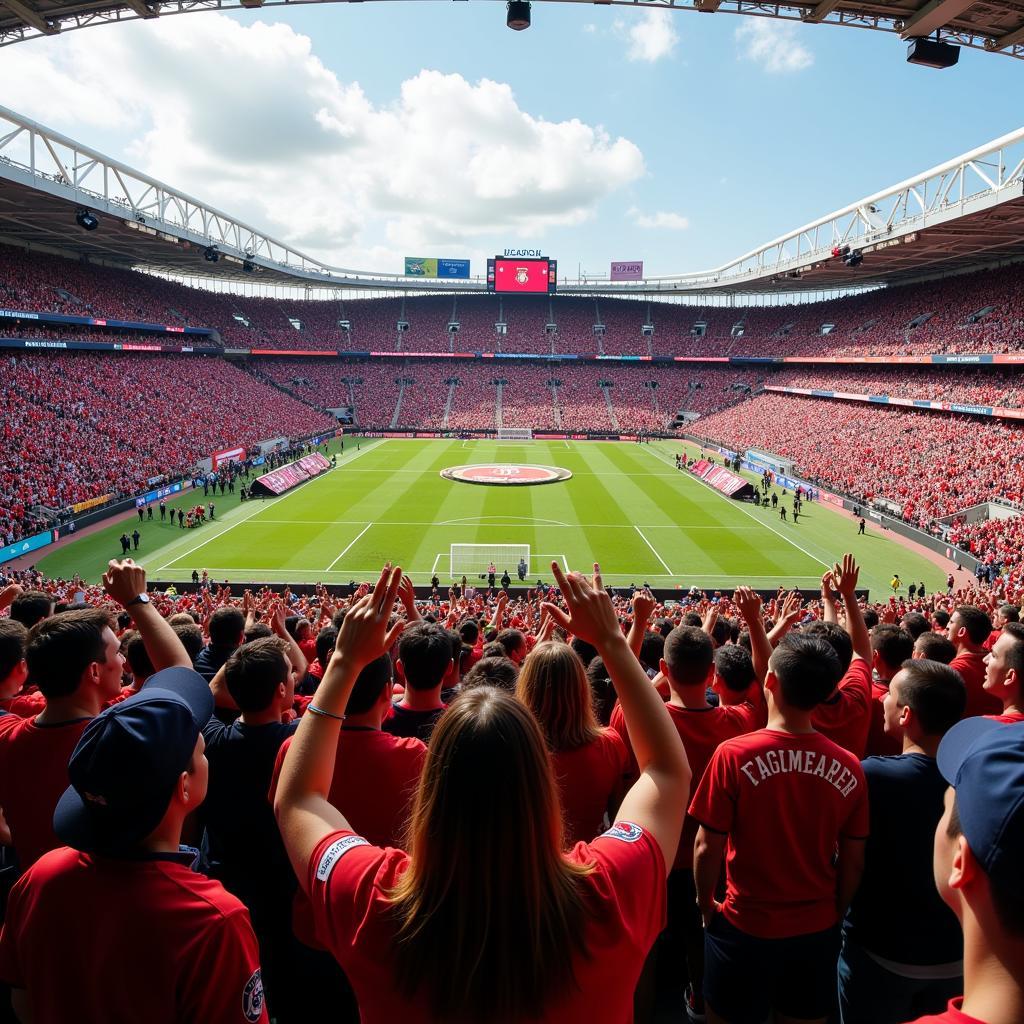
[(364, 133)]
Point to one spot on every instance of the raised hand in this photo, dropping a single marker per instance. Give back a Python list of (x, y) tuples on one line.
[(590, 614), (644, 603), (828, 586), (124, 580), (364, 634), (748, 603), (846, 576)]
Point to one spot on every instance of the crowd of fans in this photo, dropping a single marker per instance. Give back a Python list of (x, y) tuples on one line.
[(561, 803)]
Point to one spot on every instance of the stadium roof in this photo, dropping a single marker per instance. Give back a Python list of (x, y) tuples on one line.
[(994, 25), (963, 214)]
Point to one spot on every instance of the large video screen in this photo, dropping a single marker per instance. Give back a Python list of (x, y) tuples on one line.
[(527, 275)]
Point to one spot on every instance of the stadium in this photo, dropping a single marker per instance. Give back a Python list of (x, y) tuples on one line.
[(662, 539)]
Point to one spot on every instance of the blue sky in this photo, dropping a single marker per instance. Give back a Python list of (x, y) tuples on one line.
[(699, 139)]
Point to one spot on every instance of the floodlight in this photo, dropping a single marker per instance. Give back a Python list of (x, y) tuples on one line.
[(518, 15), (211, 254)]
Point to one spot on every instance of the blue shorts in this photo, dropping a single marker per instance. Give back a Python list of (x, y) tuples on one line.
[(746, 978)]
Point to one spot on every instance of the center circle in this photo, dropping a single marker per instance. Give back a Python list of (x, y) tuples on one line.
[(505, 474)]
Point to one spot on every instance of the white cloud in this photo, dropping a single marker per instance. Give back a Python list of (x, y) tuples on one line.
[(652, 35), (589, 28), (773, 44), (259, 127), (661, 219)]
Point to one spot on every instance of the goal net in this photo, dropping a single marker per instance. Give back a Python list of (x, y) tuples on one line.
[(515, 434), (476, 559)]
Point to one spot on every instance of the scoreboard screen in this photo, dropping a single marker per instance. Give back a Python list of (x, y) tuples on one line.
[(529, 276)]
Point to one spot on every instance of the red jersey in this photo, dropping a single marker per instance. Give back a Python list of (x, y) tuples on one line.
[(1010, 718), (845, 717), (952, 1015), (783, 800), (374, 785), (66, 914), (625, 895), (971, 666), (588, 777), (24, 705), (880, 743), (33, 777)]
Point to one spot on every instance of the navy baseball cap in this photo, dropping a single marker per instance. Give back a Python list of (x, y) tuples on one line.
[(983, 760), (125, 767)]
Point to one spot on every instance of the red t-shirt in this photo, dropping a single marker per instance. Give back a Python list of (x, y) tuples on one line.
[(881, 743), (33, 777), (349, 880), (783, 800), (71, 910), (845, 718), (24, 705), (1010, 718), (971, 666), (952, 1015), (374, 785), (588, 777), (701, 730)]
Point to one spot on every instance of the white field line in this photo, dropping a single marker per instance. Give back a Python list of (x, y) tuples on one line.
[(739, 507), (262, 506), (505, 521), (654, 549), (345, 552), (314, 574), (433, 568)]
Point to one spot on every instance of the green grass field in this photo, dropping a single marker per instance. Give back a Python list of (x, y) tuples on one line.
[(626, 507)]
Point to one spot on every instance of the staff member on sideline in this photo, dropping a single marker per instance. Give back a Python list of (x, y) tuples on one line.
[(565, 934)]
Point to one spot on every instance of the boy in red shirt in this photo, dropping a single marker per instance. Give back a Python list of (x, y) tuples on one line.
[(1004, 672), (968, 629), (777, 804), (979, 847)]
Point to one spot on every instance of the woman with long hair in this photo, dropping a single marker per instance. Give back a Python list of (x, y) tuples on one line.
[(589, 762), (486, 918)]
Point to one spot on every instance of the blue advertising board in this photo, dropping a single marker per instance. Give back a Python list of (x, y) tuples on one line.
[(24, 546), (453, 268)]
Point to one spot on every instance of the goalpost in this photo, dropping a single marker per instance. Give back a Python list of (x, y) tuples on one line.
[(474, 559), (515, 433)]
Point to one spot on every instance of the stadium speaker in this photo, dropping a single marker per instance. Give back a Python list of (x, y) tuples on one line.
[(854, 259), (248, 266), (210, 254), (86, 219), (931, 53), (518, 15)]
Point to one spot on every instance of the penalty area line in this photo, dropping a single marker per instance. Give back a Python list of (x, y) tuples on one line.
[(654, 549), (345, 552)]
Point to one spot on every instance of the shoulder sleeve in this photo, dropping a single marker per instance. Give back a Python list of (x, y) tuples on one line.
[(223, 983), (10, 966), (632, 869), (617, 752), (276, 774), (714, 803), (858, 821), (342, 878), (213, 730), (858, 679)]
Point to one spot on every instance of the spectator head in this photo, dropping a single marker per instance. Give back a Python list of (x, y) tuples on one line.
[(691, 619), (227, 627), (652, 647), (586, 652), (138, 767), (75, 653), (836, 637), (1004, 667), (1007, 613), (979, 842), (925, 700), (424, 656), (934, 647), (182, 619), (870, 618), (372, 687), (514, 643), (487, 807), (915, 624), (494, 650), (689, 657), (257, 631), (734, 672), (31, 607), (191, 637), (664, 626), (803, 671), (553, 684), (602, 690), (890, 646), (326, 641), (500, 672), (13, 670), (338, 618), (455, 672), (969, 627), (134, 651), (469, 631), (941, 618), (721, 632), (259, 676)]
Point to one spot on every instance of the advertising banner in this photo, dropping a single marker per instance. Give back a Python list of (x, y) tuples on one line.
[(628, 271), (23, 547), (418, 266), (279, 480), (228, 455), (453, 268), (83, 506)]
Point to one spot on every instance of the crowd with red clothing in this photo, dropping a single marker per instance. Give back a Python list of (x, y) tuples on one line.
[(627, 780)]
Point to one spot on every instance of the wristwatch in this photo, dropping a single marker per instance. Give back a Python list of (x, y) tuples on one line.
[(141, 599)]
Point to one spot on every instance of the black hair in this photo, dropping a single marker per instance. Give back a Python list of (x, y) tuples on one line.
[(13, 636), (493, 650), (1015, 655), (134, 651), (836, 637), (870, 618), (499, 672), (689, 655), (892, 644), (915, 624), (602, 689), (585, 651), (976, 622), (1010, 612), (691, 619), (721, 632), (511, 640), (935, 693), (369, 684), (936, 647), (807, 668), (226, 626), (425, 650), (31, 607), (941, 617), (254, 672), (257, 631), (59, 649), (326, 640), (469, 631), (652, 649), (735, 667)]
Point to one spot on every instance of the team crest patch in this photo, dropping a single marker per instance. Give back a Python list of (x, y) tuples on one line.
[(252, 997), (626, 831), (334, 853)]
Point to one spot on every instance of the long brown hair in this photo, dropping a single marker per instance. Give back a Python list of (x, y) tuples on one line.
[(553, 685), (489, 912)]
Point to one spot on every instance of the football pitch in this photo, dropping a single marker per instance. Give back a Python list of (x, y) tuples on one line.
[(626, 506)]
